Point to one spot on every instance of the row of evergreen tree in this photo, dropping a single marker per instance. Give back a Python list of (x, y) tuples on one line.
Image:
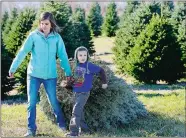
[(150, 44), (150, 40), (76, 30)]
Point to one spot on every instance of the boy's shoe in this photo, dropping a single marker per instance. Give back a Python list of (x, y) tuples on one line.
[(85, 131), (71, 135), (30, 134)]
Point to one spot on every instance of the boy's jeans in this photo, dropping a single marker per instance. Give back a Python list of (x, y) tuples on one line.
[(77, 120), (33, 85)]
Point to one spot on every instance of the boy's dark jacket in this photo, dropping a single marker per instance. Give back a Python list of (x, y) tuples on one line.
[(83, 76)]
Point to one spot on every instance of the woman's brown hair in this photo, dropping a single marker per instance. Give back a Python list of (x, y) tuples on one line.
[(49, 16)]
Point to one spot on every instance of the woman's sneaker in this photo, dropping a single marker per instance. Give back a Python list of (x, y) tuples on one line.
[(30, 134), (71, 134)]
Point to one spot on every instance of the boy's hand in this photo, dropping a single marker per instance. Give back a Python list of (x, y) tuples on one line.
[(104, 86), (63, 83)]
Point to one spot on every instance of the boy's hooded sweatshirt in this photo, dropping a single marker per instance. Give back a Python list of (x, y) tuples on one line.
[(83, 75)]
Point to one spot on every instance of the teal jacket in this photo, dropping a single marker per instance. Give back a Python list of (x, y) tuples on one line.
[(43, 55)]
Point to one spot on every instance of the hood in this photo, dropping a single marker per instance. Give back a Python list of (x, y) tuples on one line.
[(77, 49)]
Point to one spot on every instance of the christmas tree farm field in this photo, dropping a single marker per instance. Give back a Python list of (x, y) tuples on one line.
[(166, 117), (164, 103)]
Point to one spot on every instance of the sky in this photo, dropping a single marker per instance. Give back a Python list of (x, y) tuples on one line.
[(7, 6)]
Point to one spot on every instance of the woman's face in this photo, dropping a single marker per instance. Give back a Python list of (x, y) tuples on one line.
[(82, 56), (45, 25)]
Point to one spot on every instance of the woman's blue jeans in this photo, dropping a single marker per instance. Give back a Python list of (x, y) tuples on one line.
[(33, 85)]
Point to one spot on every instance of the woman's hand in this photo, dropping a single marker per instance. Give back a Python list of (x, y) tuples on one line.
[(68, 83), (69, 78), (63, 83), (11, 75), (104, 86)]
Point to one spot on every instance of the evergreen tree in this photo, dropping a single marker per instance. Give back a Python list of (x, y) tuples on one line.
[(6, 84), (95, 19), (8, 24), (179, 21), (111, 20), (131, 28), (18, 31), (15, 40), (182, 41), (130, 8), (4, 20), (79, 15), (167, 8), (156, 54), (61, 11), (78, 33)]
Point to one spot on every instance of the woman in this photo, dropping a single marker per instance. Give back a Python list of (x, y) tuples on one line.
[(44, 44)]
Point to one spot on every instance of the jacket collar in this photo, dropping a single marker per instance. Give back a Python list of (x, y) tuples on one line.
[(43, 35)]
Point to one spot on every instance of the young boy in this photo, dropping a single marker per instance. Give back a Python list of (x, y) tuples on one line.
[(83, 78)]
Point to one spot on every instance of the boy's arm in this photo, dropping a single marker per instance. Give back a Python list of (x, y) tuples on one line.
[(97, 69), (103, 76), (61, 53)]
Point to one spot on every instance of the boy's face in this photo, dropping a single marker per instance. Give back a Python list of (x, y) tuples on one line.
[(82, 56)]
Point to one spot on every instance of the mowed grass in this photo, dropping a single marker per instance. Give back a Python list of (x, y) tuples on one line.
[(166, 118), (103, 44), (103, 48), (14, 122)]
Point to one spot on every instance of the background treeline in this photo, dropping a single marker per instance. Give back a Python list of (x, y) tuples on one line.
[(150, 40)]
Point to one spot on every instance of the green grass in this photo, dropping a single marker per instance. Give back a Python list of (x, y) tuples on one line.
[(166, 118), (103, 44), (14, 122)]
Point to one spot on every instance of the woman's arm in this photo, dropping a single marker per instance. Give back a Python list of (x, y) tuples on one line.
[(61, 53), (25, 49)]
